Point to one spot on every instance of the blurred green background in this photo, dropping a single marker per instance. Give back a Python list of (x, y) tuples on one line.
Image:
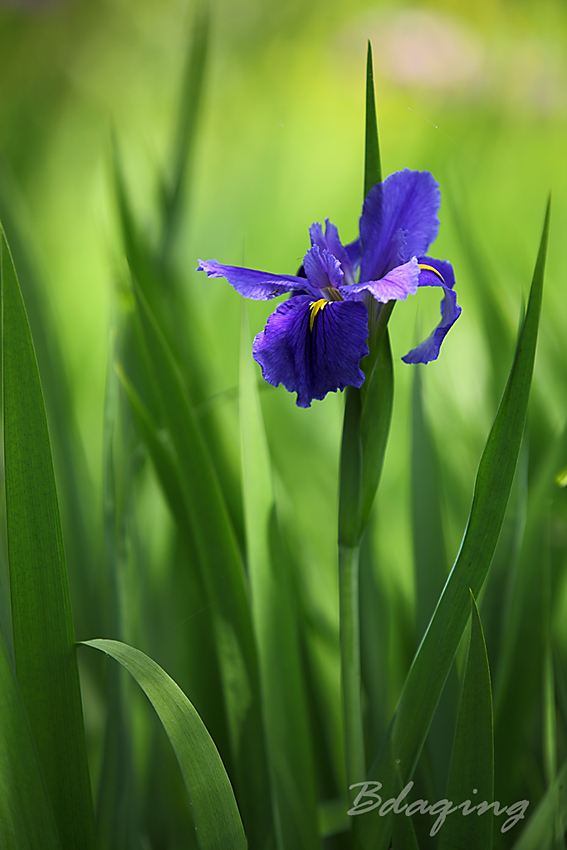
[(475, 93)]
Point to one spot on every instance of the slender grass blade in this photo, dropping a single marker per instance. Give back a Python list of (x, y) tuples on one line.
[(44, 649), (472, 762), (217, 821), (432, 663)]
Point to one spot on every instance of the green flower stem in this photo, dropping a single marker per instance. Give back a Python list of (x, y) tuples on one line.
[(355, 480), (350, 663)]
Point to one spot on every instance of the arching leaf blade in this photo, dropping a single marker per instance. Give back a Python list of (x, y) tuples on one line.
[(217, 820)]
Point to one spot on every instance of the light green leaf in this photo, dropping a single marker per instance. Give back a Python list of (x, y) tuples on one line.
[(44, 642), (215, 813)]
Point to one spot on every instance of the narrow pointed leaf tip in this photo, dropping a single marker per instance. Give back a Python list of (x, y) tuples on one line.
[(372, 165)]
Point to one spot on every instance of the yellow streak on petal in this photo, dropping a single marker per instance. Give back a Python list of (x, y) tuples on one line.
[(431, 269), (315, 307)]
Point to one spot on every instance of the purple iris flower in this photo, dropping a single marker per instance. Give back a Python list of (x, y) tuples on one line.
[(313, 343)]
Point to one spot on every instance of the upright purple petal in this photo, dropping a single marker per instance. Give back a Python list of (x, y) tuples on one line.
[(313, 348), (399, 221), (436, 273), (322, 269), (260, 286), (331, 242), (396, 285)]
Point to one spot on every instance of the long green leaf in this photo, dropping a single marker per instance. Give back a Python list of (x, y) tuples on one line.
[(26, 817), (44, 650), (217, 821), (433, 661), (275, 623), (472, 763)]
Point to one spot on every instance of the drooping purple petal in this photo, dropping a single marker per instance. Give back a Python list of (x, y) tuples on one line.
[(399, 221), (313, 348), (259, 286), (442, 272), (322, 269), (450, 311), (331, 242), (396, 285)]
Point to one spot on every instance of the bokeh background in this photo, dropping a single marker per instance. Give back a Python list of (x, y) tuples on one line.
[(475, 93)]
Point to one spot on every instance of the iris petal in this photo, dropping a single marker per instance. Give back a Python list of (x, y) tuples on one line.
[(399, 221), (331, 242), (397, 284), (442, 272), (450, 311), (317, 360), (259, 286), (322, 269)]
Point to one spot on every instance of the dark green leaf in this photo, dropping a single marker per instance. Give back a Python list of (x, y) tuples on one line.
[(44, 648), (372, 167), (26, 817)]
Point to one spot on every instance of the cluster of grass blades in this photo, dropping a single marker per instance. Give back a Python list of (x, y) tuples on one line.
[(256, 767)]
